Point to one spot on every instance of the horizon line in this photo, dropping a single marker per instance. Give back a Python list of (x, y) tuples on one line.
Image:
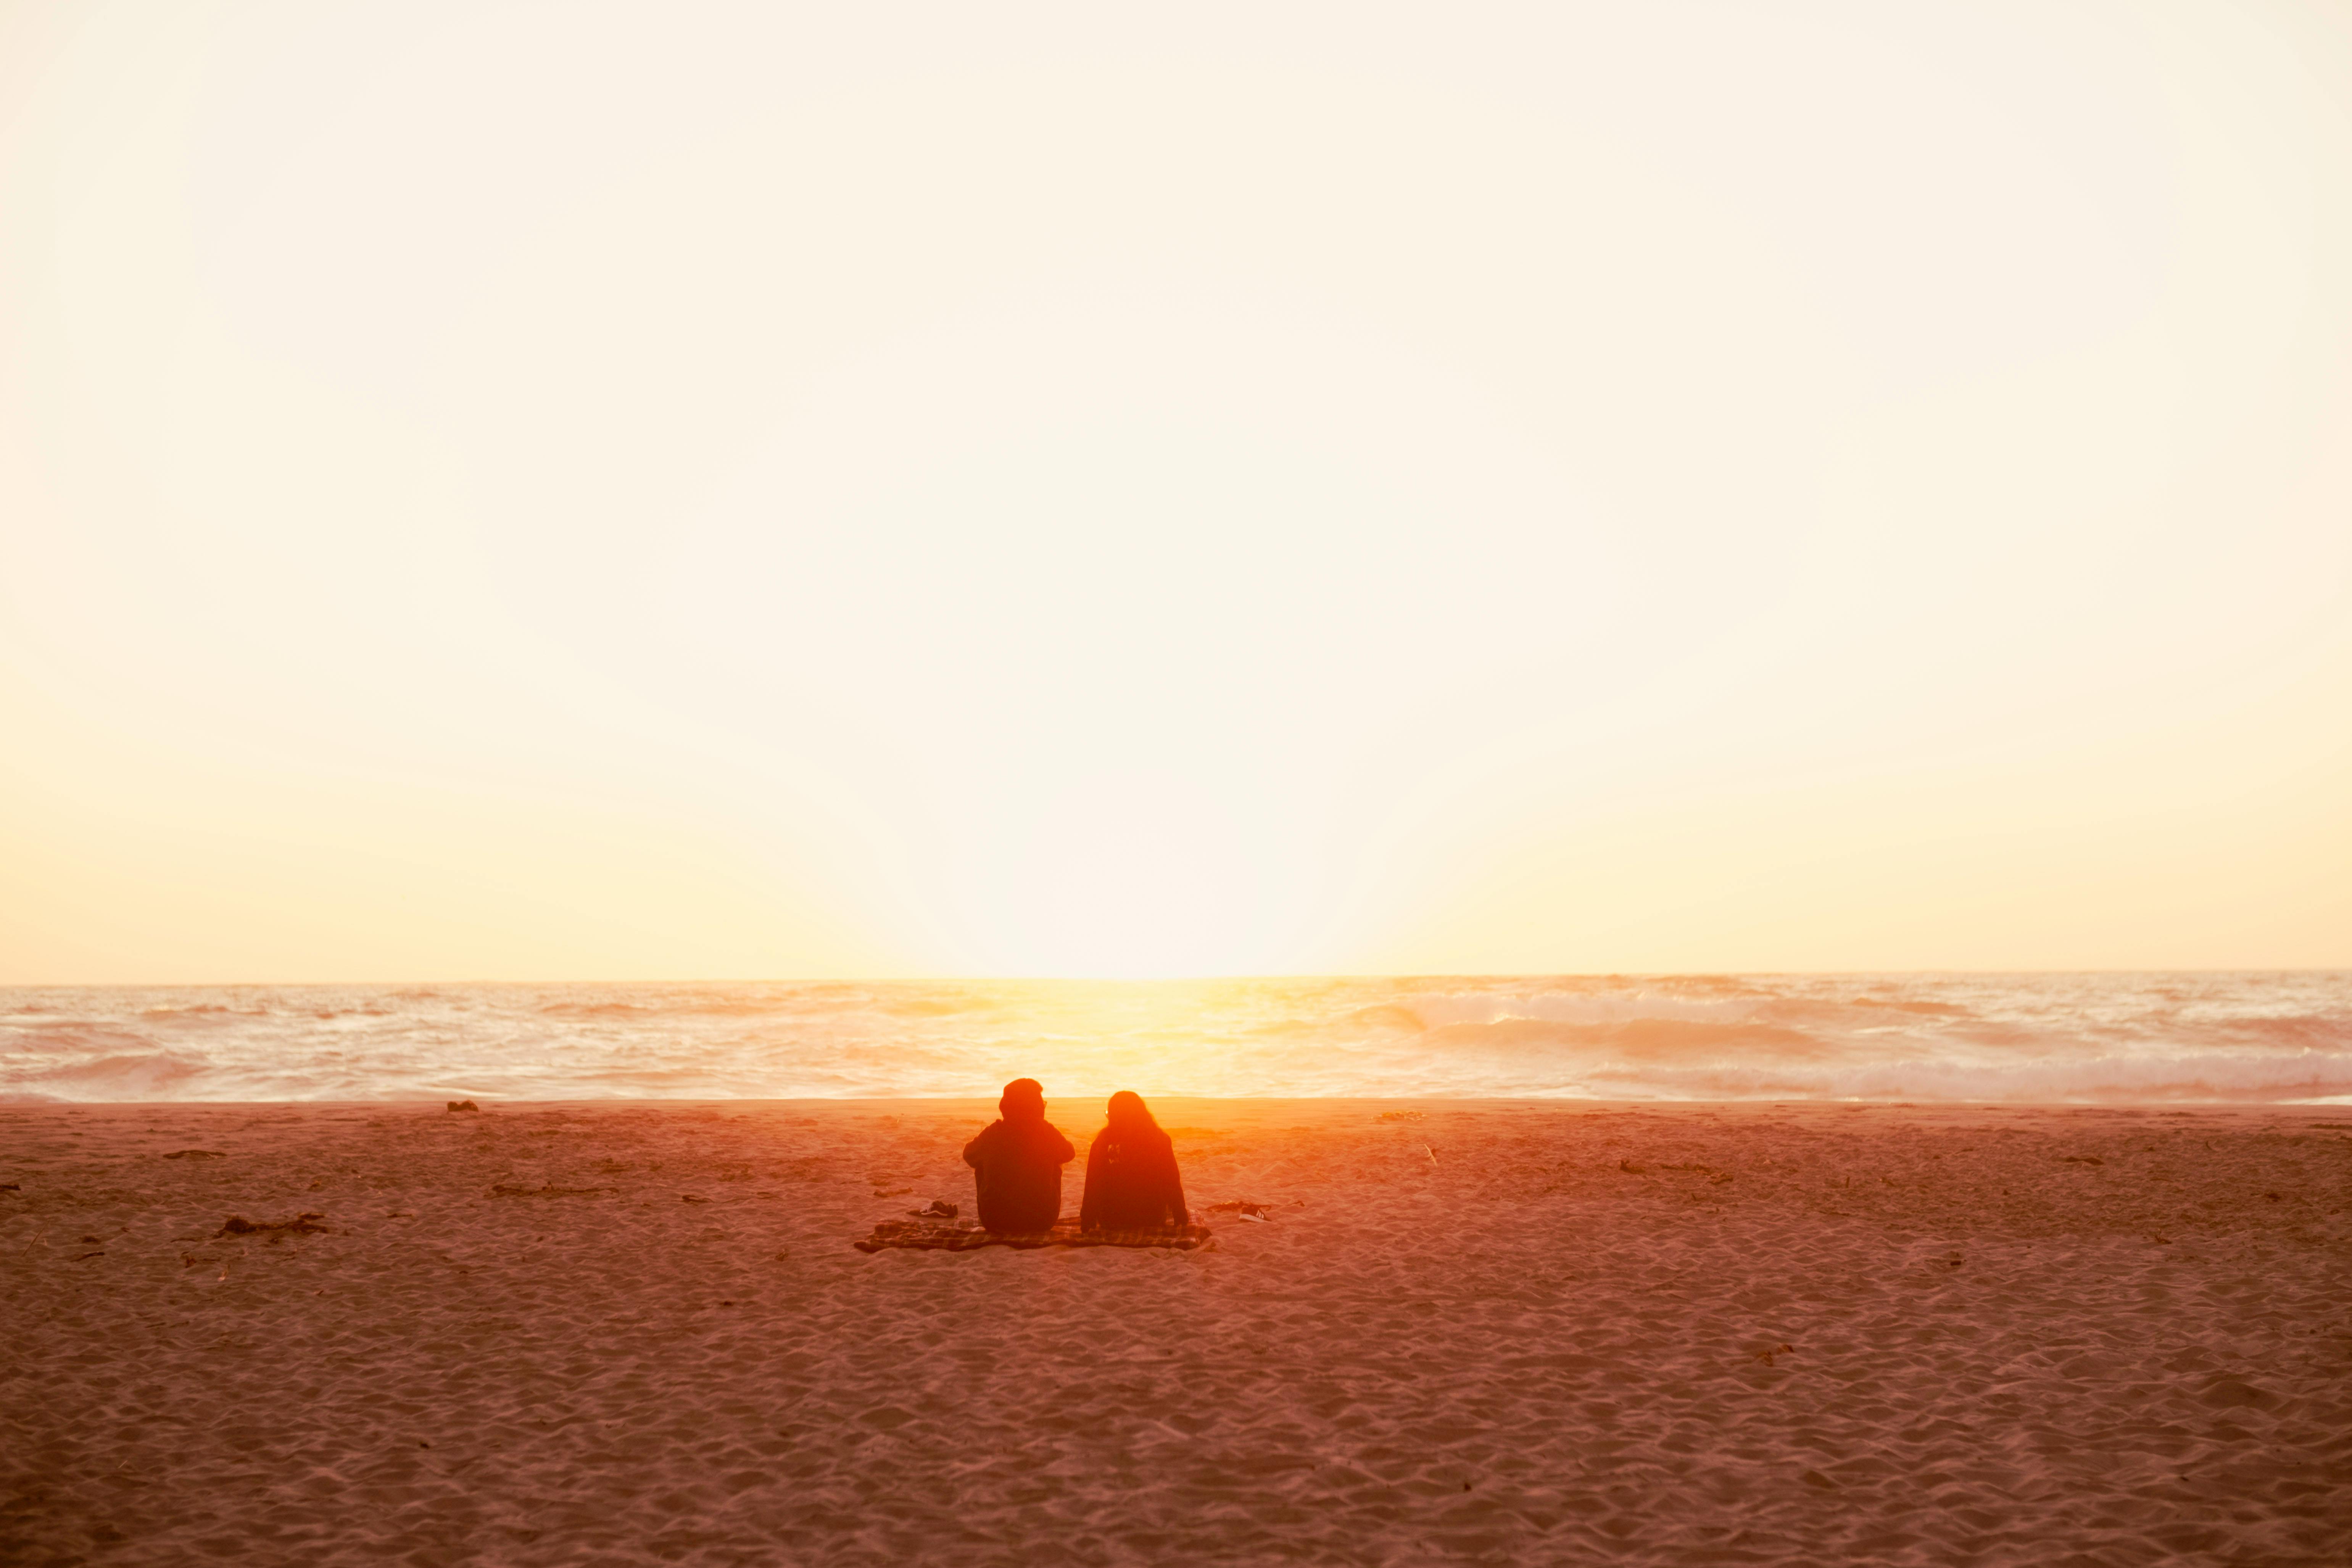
[(1191, 979)]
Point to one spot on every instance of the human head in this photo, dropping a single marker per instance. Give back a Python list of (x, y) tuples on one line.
[(1024, 1100), (1127, 1109)]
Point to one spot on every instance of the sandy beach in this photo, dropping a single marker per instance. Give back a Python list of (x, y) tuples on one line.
[(1481, 1332)]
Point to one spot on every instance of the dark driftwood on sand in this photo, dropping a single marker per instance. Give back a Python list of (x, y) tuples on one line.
[(307, 1223), (932, 1236)]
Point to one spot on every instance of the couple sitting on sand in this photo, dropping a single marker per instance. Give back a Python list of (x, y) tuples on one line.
[(1131, 1180)]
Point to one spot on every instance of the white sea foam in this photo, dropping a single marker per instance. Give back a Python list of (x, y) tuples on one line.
[(2096, 1039)]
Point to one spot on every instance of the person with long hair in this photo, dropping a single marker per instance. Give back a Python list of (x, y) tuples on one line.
[(1132, 1178), (1017, 1162)]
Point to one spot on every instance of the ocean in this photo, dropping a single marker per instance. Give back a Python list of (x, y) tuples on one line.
[(2082, 1038)]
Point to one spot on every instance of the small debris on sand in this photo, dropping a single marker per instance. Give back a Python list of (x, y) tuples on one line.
[(1240, 1209), (937, 1208), (462, 1105), (2082, 1160), (197, 1155), (692, 1198), (549, 1191), (305, 1223), (11, 1187)]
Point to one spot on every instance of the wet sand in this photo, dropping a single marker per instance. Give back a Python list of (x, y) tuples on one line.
[(1493, 1333)]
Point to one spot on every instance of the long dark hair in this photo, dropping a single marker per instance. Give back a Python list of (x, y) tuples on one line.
[(1127, 1118)]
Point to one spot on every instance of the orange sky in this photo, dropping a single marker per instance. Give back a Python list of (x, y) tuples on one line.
[(611, 491)]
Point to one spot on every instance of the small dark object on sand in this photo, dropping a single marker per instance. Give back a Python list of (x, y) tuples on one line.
[(462, 1105), (939, 1208), (99, 1254), (305, 1223), (11, 1187), (692, 1198), (549, 1191), (196, 1154), (1242, 1210), (2081, 1160)]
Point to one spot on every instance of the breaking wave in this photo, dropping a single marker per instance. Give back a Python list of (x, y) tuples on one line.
[(2112, 1038)]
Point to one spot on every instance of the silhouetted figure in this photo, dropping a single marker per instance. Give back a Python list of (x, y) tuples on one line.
[(1017, 1162), (1131, 1180)]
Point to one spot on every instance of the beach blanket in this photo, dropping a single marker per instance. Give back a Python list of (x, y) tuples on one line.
[(940, 1236)]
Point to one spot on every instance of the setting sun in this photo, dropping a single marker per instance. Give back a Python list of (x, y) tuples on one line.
[(549, 493)]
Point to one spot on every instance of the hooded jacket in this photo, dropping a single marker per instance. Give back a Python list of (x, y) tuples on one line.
[(1018, 1168)]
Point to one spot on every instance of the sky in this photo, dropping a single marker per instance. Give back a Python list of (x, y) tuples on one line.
[(629, 491)]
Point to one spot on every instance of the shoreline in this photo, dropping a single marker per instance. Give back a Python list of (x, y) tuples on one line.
[(1367, 1101)]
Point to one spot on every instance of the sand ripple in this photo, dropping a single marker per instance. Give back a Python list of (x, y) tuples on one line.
[(1492, 1335)]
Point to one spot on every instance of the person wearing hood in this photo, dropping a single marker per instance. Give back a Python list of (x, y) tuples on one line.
[(1132, 1178), (1017, 1162)]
